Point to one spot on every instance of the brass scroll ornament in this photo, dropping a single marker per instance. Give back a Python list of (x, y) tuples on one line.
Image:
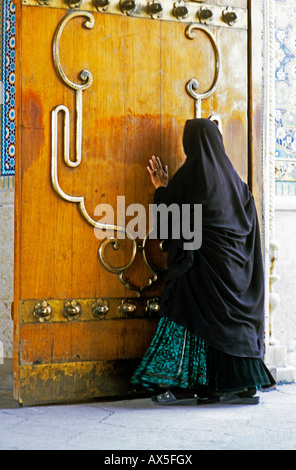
[(86, 79), (193, 84)]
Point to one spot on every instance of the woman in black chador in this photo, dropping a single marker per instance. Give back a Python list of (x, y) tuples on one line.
[(209, 341)]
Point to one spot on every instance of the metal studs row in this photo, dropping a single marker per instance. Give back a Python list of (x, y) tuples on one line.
[(154, 8), (72, 309)]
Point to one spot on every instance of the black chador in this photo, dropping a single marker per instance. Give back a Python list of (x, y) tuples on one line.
[(216, 291)]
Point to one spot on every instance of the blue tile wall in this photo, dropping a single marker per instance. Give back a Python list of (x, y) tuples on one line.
[(285, 97), (8, 89)]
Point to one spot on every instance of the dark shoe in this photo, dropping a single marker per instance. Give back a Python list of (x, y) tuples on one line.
[(237, 399), (250, 392), (169, 398), (241, 398)]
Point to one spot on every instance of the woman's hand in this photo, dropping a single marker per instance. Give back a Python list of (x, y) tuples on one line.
[(159, 175)]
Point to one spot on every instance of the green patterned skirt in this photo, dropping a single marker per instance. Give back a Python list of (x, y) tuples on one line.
[(175, 358), (178, 358)]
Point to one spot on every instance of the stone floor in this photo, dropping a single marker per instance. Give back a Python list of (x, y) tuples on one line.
[(139, 425)]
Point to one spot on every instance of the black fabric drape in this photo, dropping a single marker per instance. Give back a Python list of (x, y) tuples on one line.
[(217, 291)]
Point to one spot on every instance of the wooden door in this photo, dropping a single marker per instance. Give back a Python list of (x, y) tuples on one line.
[(86, 298)]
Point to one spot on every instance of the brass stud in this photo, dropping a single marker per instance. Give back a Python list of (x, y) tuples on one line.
[(44, 2), (73, 3), (100, 309), (229, 16), (152, 306), (205, 14), (126, 308), (42, 311), (72, 310), (154, 9), (128, 6), (101, 5), (180, 10)]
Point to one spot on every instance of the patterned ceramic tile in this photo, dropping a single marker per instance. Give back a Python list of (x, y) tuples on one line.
[(8, 79), (285, 95)]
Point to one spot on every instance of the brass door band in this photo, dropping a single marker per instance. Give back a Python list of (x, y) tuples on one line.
[(167, 10), (100, 309)]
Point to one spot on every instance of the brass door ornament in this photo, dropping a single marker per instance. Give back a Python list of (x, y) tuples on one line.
[(86, 78), (192, 85), (86, 81)]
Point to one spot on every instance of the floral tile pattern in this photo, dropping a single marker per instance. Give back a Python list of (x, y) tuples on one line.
[(8, 86), (285, 97)]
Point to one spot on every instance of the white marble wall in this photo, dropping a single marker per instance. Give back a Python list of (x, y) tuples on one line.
[(285, 92), (285, 314), (6, 269)]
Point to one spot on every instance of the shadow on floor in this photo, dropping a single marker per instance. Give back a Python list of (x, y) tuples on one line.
[(6, 384)]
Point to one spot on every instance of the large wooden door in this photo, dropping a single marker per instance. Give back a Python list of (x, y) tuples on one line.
[(86, 299)]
